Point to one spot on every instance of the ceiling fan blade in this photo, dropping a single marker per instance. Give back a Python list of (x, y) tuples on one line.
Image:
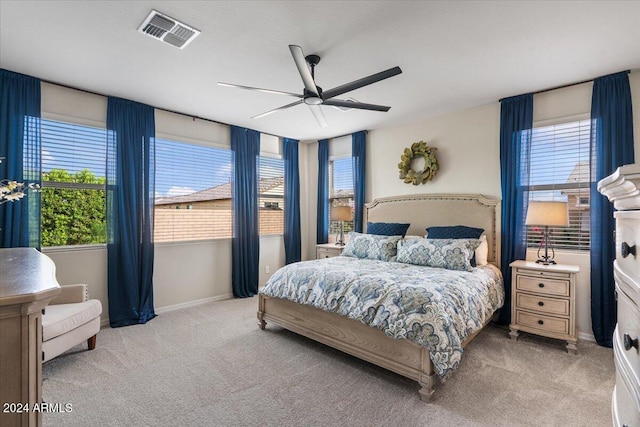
[(319, 115), (276, 92), (303, 69), (352, 104), (365, 81), (277, 109)]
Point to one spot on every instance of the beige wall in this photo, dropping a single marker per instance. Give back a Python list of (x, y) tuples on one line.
[(468, 153), (308, 163)]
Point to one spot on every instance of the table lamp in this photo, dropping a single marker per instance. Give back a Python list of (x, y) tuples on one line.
[(342, 214), (547, 214)]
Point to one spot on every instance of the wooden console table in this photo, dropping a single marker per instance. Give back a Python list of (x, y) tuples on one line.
[(27, 284)]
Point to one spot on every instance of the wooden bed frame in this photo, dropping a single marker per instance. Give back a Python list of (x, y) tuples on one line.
[(401, 356)]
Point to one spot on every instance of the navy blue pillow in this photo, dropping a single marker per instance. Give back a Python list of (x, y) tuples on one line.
[(456, 232), (387, 228)]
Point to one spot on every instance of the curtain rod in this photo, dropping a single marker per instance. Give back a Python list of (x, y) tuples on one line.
[(561, 86), (170, 111)]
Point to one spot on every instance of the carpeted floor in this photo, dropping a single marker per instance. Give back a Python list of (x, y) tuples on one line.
[(211, 366)]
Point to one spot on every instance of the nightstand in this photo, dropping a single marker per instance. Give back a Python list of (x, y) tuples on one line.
[(543, 301), (328, 250)]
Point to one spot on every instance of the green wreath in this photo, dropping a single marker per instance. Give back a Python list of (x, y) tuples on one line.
[(418, 149)]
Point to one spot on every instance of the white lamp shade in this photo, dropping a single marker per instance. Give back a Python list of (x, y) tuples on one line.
[(340, 213), (548, 214)]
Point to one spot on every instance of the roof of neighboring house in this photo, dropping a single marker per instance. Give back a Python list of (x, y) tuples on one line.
[(219, 192), (580, 173)]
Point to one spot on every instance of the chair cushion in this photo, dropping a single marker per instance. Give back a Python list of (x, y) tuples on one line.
[(62, 318)]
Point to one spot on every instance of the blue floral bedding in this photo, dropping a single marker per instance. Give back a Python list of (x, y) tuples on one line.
[(433, 307)]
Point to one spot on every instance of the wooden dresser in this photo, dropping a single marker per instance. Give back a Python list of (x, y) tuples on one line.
[(27, 284), (623, 189), (543, 301)]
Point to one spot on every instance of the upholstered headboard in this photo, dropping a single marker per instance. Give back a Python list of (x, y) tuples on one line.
[(426, 210)]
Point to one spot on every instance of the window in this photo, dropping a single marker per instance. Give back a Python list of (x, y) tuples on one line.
[(193, 192), (340, 191), (271, 195), (73, 175), (560, 171)]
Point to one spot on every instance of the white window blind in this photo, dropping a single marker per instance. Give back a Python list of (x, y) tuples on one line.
[(560, 171), (193, 192), (271, 195), (73, 175), (340, 190)]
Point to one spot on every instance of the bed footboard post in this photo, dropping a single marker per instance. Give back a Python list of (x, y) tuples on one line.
[(261, 323), (427, 384), (427, 378)]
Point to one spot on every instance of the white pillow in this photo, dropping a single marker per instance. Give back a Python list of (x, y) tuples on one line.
[(482, 252)]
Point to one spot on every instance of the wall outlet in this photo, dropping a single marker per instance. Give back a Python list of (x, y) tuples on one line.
[(267, 269)]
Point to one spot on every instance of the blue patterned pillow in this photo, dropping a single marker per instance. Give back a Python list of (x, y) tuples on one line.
[(455, 232), (452, 254), (387, 228), (371, 246)]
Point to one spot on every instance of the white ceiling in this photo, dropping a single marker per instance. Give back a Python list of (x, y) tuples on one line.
[(454, 55)]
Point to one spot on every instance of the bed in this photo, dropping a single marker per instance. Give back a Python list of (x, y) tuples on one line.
[(349, 332)]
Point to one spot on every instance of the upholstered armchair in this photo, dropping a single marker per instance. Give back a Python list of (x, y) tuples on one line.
[(68, 320)]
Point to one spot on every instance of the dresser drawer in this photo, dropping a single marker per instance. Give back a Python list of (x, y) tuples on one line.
[(625, 414), (628, 233), (626, 395), (543, 285), (541, 322), (542, 304), (629, 325)]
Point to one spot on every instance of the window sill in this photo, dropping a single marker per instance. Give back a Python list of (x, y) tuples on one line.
[(83, 248)]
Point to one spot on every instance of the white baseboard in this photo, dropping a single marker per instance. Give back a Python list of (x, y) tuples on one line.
[(187, 304), (105, 322), (584, 336)]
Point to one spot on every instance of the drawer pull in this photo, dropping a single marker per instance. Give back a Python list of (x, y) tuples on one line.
[(540, 322), (541, 285), (540, 303), (627, 250), (629, 343)]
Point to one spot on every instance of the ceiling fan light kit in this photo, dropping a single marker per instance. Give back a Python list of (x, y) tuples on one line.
[(312, 94)]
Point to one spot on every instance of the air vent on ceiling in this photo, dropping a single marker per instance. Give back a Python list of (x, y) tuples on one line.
[(166, 29)]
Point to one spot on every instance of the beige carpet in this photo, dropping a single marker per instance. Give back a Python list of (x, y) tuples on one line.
[(211, 366)]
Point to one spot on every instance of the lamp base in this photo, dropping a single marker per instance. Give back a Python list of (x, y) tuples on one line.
[(340, 236), (545, 244)]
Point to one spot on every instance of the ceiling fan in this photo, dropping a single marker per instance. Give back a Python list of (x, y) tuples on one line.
[(314, 96)]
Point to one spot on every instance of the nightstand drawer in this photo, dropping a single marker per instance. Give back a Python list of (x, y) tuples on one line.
[(543, 304), (544, 323), (327, 253), (543, 285)]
